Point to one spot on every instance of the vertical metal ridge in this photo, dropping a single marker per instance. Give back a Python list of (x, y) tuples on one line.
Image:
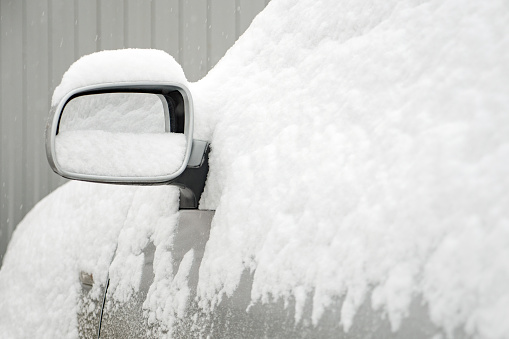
[(24, 113), (13, 172), (209, 34), (152, 24), (35, 142), (39, 171), (50, 72), (8, 169), (181, 32), (237, 19), (76, 30), (50, 44), (3, 237), (98, 26), (126, 20)]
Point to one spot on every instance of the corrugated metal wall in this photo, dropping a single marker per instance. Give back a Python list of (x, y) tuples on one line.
[(40, 39)]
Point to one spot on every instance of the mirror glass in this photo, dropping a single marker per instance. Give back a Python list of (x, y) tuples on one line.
[(119, 135)]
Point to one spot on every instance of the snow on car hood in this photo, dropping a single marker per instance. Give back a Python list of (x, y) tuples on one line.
[(360, 150)]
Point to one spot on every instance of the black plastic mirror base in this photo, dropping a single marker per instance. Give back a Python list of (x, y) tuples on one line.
[(192, 180)]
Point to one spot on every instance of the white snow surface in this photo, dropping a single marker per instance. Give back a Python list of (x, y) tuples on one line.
[(126, 65), (74, 229), (360, 150), (114, 112), (120, 154)]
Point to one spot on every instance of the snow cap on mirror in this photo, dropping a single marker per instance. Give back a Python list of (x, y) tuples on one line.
[(125, 65)]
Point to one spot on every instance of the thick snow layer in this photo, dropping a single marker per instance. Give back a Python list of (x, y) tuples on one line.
[(151, 218), (74, 229), (361, 149), (120, 154), (119, 66)]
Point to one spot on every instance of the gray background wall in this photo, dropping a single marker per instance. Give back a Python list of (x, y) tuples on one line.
[(40, 39)]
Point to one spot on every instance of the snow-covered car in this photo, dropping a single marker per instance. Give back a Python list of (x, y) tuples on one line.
[(341, 173)]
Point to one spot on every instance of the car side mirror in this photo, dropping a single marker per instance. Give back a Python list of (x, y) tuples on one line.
[(125, 133)]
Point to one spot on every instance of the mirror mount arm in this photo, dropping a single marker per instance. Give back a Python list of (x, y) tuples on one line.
[(192, 181)]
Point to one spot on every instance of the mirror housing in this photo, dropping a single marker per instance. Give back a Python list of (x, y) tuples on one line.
[(179, 121)]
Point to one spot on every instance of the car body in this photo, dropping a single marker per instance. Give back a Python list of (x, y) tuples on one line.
[(104, 314)]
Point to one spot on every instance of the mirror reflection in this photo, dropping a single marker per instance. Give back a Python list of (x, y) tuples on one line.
[(119, 135)]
